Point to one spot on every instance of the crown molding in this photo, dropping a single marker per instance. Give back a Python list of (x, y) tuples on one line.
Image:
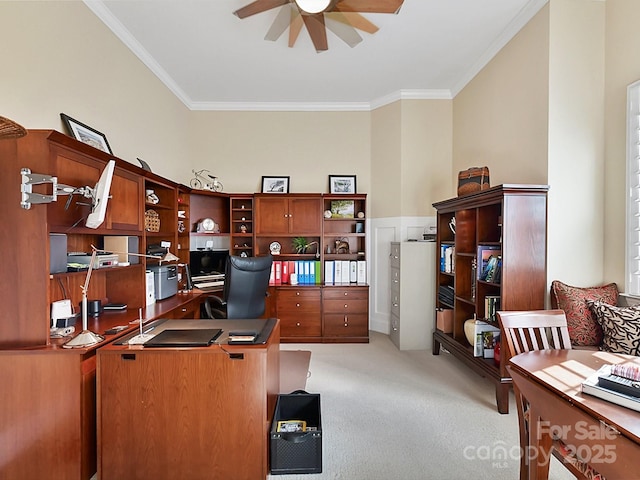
[(523, 17), (323, 106), (104, 14)]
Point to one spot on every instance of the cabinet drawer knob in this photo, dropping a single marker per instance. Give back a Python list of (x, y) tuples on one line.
[(346, 305), (395, 304), (298, 293), (297, 304), (298, 324), (346, 293), (184, 309)]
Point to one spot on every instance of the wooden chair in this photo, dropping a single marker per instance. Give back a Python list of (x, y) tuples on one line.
[(525, 331)]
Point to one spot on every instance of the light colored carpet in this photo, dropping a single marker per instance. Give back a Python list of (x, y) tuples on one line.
[(388, 414)]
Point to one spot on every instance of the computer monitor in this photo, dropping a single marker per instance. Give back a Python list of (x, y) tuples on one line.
[(207, 262)]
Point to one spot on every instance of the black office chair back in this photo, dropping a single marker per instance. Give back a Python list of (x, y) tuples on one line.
[(245, 287)]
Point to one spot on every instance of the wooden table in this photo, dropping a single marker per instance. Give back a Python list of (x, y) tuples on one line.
[(192, 413), (603, 434)]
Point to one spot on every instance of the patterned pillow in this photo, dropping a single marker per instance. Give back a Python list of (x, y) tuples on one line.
[(621, 327), (583, 328)]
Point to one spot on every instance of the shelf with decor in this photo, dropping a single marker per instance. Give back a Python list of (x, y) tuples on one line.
[(344, 224), (209, 220), (507, 224), (283, 222), (241, 227), (160, 225), (183, 224)]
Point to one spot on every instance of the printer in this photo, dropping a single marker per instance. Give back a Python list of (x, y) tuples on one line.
[(165, 280)]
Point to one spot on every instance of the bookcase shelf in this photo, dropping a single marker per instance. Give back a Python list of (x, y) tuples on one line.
[(508, 222)]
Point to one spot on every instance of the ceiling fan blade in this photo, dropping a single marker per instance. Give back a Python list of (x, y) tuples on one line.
[(354, 19), (368, 6), (258, 6), (346, 32), (317, 31), (279, 25), (295, 27)]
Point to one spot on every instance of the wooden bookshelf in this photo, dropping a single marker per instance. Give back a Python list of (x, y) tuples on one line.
[(510, 220)]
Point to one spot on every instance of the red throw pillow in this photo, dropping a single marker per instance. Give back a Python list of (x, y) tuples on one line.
[(582, 324)]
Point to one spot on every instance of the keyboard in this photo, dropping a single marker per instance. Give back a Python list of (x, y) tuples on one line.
[(204, 285), (208, 278)]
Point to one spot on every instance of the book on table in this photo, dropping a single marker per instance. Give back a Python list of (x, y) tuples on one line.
[(604, 385)]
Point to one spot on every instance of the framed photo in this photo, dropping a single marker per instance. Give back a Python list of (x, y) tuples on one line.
[(342, 208), (342, 184), (275, 184), (86, 134)]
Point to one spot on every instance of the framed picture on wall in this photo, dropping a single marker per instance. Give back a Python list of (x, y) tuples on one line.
[(86, 134), (342, 184), (275, 184)]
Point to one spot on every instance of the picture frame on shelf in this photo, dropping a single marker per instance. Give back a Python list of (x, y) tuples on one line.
[(272, 184), (342, 208), (342, 184), (86, 134)]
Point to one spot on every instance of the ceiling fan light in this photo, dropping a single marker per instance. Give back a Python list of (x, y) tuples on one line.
[(313, 6)]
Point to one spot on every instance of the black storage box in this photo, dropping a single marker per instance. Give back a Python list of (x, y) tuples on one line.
[(296, 452)]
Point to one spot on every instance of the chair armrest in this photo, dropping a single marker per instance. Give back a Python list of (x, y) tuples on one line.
[(215, 307)]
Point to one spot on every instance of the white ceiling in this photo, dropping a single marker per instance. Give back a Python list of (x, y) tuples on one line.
[(213, 60)]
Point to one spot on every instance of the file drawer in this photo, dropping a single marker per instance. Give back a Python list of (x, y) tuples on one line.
[(299, 311), (346, 325)]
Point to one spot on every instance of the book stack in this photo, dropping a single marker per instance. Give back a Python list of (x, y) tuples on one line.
[(446, 294), (447, 253), (486, 336), (493, 269), (619, 384), (491, 306)]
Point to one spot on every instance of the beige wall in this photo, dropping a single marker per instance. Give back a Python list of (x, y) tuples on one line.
[(426, 155), (623, 68), (386, 152), (500, 117), (576, 141), (59, 57), (241, 147), (410, 157), (535, 114)]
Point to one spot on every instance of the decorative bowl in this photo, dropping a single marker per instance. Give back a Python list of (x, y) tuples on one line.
[(469, 330)]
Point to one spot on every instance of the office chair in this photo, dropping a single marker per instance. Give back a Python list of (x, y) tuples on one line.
[(245, 289), (527, 331)]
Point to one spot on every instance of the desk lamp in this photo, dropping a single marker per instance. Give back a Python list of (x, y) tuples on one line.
[(86, 338)]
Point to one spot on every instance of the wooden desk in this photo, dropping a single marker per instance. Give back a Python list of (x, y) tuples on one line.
[(193, 413), (605, 435), (48, 412)]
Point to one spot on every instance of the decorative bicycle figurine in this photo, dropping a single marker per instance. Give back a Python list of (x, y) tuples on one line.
[(200, 182)]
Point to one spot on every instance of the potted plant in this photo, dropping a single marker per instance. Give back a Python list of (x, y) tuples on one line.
[(299, 244)]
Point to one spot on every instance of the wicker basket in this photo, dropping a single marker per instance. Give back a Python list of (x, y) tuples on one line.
[(151, 221), (10, 129)]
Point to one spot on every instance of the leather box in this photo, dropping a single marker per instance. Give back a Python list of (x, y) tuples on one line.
[(444, 320)]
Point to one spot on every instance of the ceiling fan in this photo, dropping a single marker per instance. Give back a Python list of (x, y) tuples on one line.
[(342, 17)]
